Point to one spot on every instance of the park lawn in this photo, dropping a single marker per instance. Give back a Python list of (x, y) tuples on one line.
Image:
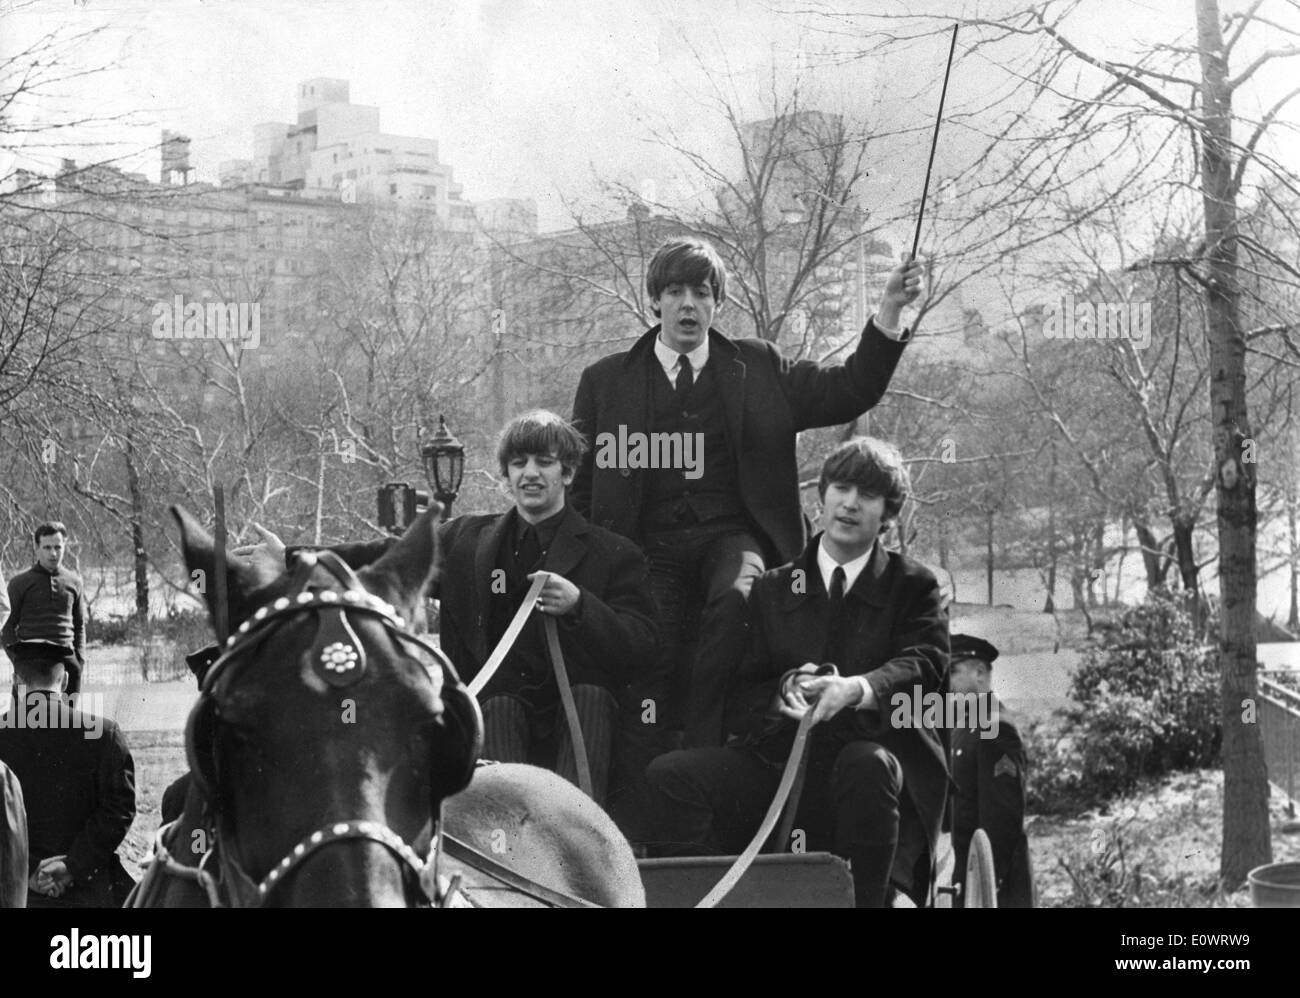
[(1156, 848), (159, 759)]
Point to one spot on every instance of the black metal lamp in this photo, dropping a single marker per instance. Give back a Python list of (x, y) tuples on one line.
[(444, 465)]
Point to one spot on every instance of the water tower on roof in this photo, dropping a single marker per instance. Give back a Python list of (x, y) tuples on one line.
[(175, 157)]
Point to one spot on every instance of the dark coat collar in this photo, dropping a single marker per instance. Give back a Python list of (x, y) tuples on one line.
[(870, 587), (570, 545), (719, 343)]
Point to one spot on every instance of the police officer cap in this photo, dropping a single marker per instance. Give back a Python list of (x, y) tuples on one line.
[(965, 646)]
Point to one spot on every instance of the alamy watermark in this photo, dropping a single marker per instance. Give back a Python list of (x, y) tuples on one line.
[(211, 320), (1085, 320), (651, 450), (90, 951), (952, 710), (45, 712)]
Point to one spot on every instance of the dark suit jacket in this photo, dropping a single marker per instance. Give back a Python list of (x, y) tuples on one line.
[(991, 774), (897, 639), (80, 796), (616, 634), (768, 400)]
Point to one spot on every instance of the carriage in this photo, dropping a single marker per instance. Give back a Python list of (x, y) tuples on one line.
[(431, 828), (805, 880)]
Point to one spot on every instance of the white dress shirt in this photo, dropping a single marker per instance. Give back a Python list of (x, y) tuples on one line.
[(895, 333), (669, 358)]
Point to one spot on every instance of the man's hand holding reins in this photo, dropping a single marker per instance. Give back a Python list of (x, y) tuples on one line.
[(825, 693), (559, 597)]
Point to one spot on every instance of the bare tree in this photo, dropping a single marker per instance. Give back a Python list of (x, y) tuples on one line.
[(1130, 134)]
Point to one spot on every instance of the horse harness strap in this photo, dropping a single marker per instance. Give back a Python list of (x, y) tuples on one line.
[(789, 776), (370, 831), (479, 683), (499, 653), (165, 864), (466, 853), (570, 708)]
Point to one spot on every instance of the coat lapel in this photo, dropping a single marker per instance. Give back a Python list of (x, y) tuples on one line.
[(569, 546), (634, 387), (730, 379), (806, 606), (485, 556), (872, 586)]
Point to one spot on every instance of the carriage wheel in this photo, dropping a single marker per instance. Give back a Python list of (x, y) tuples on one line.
[(981, 887)]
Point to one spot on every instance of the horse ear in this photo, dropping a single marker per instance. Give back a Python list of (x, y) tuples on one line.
[(244, 576), (406, 570)]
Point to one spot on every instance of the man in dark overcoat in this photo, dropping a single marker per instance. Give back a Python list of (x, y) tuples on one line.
[(876, 775), (78, 782), (990, 769)]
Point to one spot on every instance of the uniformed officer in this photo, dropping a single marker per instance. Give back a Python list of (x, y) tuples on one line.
[(989, 769)]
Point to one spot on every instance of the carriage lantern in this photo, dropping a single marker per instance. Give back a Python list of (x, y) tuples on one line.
[(444, 465)]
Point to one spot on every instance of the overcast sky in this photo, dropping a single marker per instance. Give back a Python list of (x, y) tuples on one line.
[(526, 98)]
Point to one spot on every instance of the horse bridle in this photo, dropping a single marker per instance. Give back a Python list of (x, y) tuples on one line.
[(340, 663)]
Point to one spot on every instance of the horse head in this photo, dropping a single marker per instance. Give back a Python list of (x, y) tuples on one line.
[(326, 735)]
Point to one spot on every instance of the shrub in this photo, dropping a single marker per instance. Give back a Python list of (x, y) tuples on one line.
[(1146, 703), (108, 630)]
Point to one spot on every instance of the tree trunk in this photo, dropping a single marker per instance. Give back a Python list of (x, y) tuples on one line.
[(1185, 552), (1050, 605), (1246, 842), (320, 489), (1152, 558), (988, 554), (139, 555), (1119, 562), (1077, 591), (1293, 616), (1098, 565)]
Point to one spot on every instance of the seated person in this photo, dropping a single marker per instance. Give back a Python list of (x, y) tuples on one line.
[(989, 769), (78, 782), (875, 785), (598, 592)]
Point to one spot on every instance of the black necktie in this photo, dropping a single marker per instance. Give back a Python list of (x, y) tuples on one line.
[(529, 551), (837, 587), (835, 630), (683, 385)]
